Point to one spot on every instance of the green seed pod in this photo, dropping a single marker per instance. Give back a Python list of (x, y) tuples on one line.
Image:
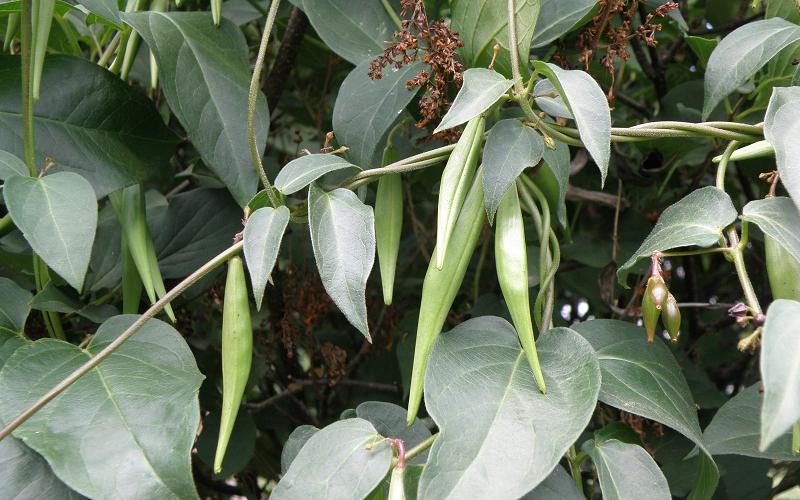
[(237, 352), (388, 223), (131, 282), (397, 489), (511, 261), (650, 315), (672, 317), (41, 19), (441, 286), (216, 11), (456, 181), (11, 30), (783, 271)]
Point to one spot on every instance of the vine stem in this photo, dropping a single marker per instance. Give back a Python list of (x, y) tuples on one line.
[(420, 448), (113, 346), (252, 100), (519, 89)]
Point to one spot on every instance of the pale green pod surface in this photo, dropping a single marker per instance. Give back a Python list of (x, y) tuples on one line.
[(216, 11), (11, 29), (456, 181), (237, 352), (388, 227), (396, 487), (783, 271), (441, 286), (511, 261), (672, 317), (41, 18), (650, 315), (131, 282), (129, 205)]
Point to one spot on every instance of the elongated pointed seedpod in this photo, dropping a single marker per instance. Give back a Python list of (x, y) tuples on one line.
[(216, 11), (456, 181), (672, 317), (237, 352), (388, 224), (783, 271), (511, 261), (397, 489), (441, 286), (41, 20)]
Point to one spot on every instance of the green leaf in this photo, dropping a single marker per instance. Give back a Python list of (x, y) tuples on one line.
[(696, 220), (483, 23), (11, 165), (9, 342), (779, 218), (558, 18), (107, 9), (14, 307), (262, 240), (24, 474), (702, 47), (302, 171), (54, 299), (356, 30), (510, 148), (346, 459), (736, 429), (205, 75), (366, 109), (780, 371), (89, 122), (743, 52), (626, 471), (493, 420), (57, 214), (241, 445), (553, 179), (587, 103), (707, 479), (390, 421), (781, 129), (139, 409), (343, 238), (294, 443), (553, 106), (481, 89), (557, 486)]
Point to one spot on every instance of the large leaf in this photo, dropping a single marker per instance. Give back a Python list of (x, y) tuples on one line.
[(696, 220), (743, 52), (390, 421), (588, 105), (557, 486), (262, 240), (302, 171), (494, 422), (483, 23), (558, 18), (366, 109), (139, 409), (57, 214), (510, 148), (779, 218), (14, 307), (481, 89), (205, 75), (346, 459), (780, 371), (626, 471), (11, 165), (356, 29), (736, 429), (781, 129), (88, 121), (343, 237)]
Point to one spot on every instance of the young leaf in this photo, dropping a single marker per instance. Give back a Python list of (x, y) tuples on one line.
[(481, 361), (558, 18), (346, 459), (139, 420), (553, 179), (780, 369), (205, 75), (57, 214), (481, 89), (366, 109), (15, 306), (626, 471), (696, 220), (587, 103), (302, 171), (262, 240), (743, 52), (510, 148), (779, 218), (781, 129), (343, 238)]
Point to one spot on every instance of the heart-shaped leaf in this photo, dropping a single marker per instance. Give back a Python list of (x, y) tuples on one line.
[(779, 218), (493, 421), (302, 171), (481, 89), (343, 238), (781, 129), (139, 409), (390, 421), (588, 104), (557, 486), (262, 240), (626, 471), (205, 76), (11, 165), (57, 214), (698, 220), (14, 307), (346, 459)]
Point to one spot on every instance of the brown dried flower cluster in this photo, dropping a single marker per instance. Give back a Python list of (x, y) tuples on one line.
[(605, 31), (439, 45)]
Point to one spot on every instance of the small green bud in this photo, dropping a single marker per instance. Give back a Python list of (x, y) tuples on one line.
[(672, 317), (657, 290), (650, 314)]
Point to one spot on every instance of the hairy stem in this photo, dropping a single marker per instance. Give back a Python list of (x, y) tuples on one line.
[(519, 89)]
